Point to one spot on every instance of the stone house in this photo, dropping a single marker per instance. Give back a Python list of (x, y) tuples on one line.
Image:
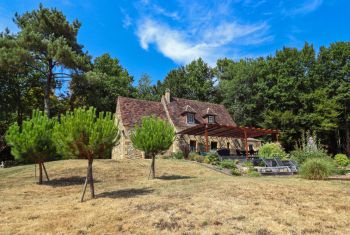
[(181, 114)]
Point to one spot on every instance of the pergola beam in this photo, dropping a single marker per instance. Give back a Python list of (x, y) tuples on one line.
[(227, 131)]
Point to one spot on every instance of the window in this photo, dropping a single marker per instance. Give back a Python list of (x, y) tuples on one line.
[(211, 119), (190, 118), (193, 145), (214, 145), (228, 145)]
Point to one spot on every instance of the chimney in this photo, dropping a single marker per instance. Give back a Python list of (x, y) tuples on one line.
[(167, 95)]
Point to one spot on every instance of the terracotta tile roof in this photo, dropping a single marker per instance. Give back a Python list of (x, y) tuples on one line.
[(132, 110), (188, 109), (175, 108), (209, 112)]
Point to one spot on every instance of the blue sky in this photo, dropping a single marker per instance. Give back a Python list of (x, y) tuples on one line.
[(153, 37)]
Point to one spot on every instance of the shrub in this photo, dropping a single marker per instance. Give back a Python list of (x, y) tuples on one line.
[(212, 158), (253, 174), (83, 134), (191, 155), (236, 172), (317, 168), (271, 150), (248, 164), (177, 155), (229, 164), (341, 160), (33, 141), (198, 158), (153, 136), (301, 155), (308, 147)]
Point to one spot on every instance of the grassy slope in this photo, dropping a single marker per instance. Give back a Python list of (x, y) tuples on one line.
[(189, 198)]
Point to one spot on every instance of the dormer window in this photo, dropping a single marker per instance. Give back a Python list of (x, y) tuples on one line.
[(190, 118), (211, 119)]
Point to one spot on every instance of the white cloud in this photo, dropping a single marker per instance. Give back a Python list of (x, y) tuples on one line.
[(182, 47), (307, 7)]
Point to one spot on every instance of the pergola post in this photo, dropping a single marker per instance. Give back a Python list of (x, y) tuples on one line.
[(277, 137), (246, 144), (206, 139)]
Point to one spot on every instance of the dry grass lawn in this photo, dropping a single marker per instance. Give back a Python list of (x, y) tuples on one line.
[(186, 199)]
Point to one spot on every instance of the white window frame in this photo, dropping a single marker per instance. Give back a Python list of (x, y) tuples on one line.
[(211, 119), (190, 118)]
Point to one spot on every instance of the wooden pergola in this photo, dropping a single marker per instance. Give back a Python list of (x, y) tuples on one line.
[(236, 132)]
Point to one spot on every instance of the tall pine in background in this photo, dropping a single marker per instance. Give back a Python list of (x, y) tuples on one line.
[(51, 41)]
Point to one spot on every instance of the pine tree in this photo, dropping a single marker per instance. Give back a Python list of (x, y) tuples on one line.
[(82, 134), (52, 43), (153, 136), (33, 141)]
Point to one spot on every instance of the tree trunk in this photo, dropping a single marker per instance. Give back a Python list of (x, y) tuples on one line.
[(153, 171), (47, 103), (40, 173), (347, 139), (91, 178)]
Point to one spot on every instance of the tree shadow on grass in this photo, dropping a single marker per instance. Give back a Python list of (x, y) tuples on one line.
[(174, 177), (67, 181), (126, 193)]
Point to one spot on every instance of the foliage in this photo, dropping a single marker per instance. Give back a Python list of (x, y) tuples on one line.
[(185, 148), (102, 85), (194, 81), (145, 90), (341, 160), (153, 136), (177, 155), (199, 158), (229, 164), (317, 168), (212, 158), (236, 172), (248, 164), (292, 90), (253, 174), (308, 147), (51, 43), (191, 155), (271, 150), (301, 156), (33, 141), (82, 134)]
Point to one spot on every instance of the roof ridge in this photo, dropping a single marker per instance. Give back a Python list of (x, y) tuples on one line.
[(123, 97), (198, 101)]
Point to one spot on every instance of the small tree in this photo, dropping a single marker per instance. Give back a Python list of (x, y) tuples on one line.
[(153, 136), (80, 134), (33, 141)]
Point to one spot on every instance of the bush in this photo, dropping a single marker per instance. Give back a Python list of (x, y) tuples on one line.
[(212, 158), (191, 156), (199, 158), (271, 150), (229, 164), (317, 168), (177, 155), (195, 157), (341, 160), (248, 164), (301, 156), (253, 174), (236, 172)]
